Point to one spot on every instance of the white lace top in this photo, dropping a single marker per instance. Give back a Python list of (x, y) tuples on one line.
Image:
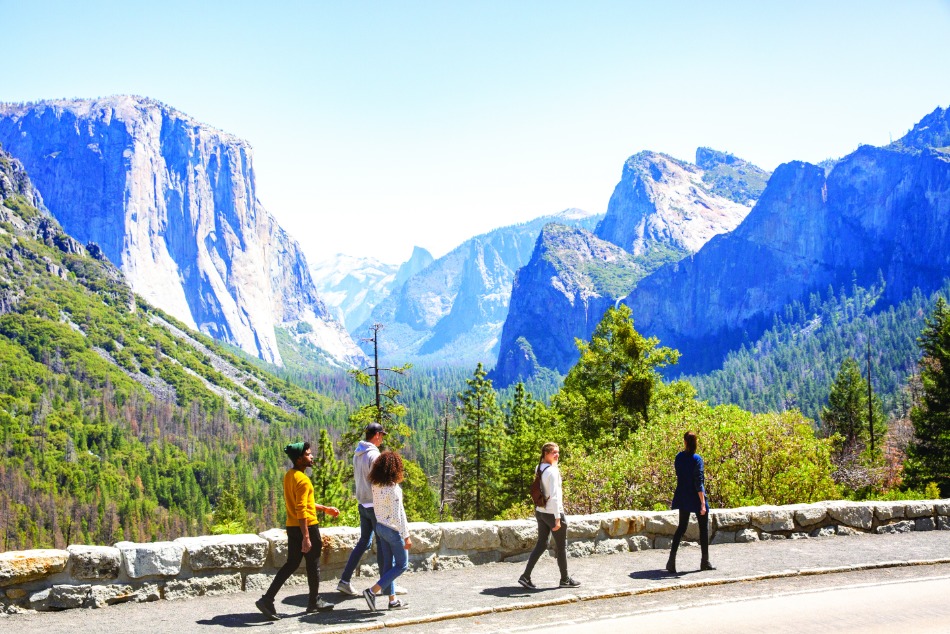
[(387, 501)]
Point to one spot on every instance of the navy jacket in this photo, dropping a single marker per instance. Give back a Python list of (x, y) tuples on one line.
[(690, 480)]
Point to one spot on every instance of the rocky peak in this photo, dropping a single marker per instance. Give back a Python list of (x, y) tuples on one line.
[(173, 203), (933, 131), (731, 177), (663, 202)]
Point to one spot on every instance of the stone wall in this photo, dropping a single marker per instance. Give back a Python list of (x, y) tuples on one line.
[(97, 576)]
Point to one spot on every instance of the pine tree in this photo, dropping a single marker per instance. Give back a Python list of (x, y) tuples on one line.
[(480, 439), (607, 393), (929, 454), (527, 423)]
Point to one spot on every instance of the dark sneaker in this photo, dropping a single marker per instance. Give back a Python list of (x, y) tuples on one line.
[(370, 599), (398, 605), (319, 606), (525, 581), (347, 589), (705, 565), (569, 583), (267, 608)]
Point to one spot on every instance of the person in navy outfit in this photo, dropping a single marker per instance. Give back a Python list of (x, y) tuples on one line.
[(690, 497)]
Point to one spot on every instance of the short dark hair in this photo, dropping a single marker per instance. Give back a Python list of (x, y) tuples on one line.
[(372, 429), (387, 469), (690, 439)]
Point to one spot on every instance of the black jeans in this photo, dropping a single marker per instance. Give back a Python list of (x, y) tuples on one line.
[(294, 555), (703, 521), (545, 529)]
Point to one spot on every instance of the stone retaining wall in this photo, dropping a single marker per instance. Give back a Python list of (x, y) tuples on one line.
[(97, 576)]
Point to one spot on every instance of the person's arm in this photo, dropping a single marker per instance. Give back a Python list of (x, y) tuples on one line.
[(554, 485), (306, 545), (700, 483)]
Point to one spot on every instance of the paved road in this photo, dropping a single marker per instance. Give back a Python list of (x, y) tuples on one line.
[(490, 595)]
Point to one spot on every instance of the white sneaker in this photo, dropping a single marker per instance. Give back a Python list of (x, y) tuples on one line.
[(347, 589), (399, 590)]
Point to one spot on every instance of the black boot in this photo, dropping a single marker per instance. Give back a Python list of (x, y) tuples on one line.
[(705, 565), (671, 564)]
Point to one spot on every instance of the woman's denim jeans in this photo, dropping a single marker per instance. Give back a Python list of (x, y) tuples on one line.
[(393, 556)]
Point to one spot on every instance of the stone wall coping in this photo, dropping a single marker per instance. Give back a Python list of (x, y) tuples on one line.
[(95, 576)]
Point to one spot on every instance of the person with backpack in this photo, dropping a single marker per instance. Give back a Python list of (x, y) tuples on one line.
[(549, 511)]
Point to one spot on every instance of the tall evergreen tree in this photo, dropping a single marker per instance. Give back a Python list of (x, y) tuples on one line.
[(329, 476), (608, 391), (480, 439), (527, 423), (929, 454)]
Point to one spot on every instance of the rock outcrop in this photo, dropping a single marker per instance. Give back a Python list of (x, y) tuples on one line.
[(879, 213), (661, 211), (453, 310), (173, 203)]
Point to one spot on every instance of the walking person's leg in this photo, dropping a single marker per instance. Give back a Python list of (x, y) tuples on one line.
[(367, 530), (677, 536), (545, 526), (314, 602), (704, 563), (560, 549), (294, 554), (395, 562)]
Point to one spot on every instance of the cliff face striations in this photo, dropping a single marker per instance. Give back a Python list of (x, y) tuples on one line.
[(172, 202), (879, 212), (661, 211)]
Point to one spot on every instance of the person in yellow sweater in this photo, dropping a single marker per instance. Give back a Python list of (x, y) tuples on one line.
[(303, 533)]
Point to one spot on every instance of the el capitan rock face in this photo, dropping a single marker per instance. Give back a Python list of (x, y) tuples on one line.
[(879, 211), (173, 203)]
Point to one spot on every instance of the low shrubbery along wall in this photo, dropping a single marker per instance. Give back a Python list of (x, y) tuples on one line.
[(96, 576)]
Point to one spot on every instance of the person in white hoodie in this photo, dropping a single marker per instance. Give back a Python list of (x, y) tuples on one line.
[(551, 520), (363, 458)]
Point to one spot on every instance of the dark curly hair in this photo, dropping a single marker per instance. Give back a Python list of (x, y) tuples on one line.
[(387, 469)]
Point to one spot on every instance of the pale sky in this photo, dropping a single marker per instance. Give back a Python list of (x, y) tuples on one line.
[(380, 125)]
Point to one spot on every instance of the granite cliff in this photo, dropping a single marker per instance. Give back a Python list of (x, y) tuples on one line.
[(453, 310), (173, 203), (661, 211), (880, 212)]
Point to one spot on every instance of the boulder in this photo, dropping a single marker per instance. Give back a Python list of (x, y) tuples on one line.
[(772, 519), (610, 546), (336, 544), (846, 531), (905, 526), (580, 549), (918, 509), (885, 511), (798, 535), (942, 508), (16, 594), (154, 559), (810, 514), (471, 535), (622, 523), (101, 596), (724, 519), (747, 535), (517, 535), (724, 537), (925, 524), (276, 539), (426, 537), (452, 562), (824, 531), (94, 562), (583, 526), (258, 582), (853, 515), (20, 566), (943, 523), (639, 542), (202, 586), (664, 543), (664, 522), (67, 597), (225, 551), (39, 600)]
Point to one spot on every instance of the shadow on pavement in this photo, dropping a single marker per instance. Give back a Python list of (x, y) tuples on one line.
[(653, 575), (509, 592), (246, 619)]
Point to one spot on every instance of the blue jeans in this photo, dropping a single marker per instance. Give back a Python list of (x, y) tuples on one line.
[(392, 549), (367, 528)]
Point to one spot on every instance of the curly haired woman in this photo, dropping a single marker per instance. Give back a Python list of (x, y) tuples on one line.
[(392, 527)]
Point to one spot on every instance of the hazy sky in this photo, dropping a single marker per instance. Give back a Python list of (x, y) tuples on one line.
[(380, 125)]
